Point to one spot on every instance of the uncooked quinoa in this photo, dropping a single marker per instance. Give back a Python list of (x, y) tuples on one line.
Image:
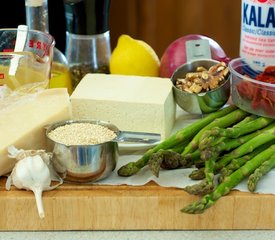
[(81, 134)]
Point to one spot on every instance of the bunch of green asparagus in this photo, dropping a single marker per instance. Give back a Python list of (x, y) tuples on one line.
[(225, 147)]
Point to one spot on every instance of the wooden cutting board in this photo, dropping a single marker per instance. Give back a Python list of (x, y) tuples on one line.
[(150, 207)]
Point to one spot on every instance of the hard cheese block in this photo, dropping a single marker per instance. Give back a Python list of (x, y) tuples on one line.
[(23, 121), (132, 103)]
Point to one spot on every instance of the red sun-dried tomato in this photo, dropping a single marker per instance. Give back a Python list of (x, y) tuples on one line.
[(262, 97), (268, 75)]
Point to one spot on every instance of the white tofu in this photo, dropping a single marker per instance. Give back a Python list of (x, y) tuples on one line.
[(22, 122), (132, 103)]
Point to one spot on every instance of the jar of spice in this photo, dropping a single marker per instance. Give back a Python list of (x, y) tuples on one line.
[(88, 47)]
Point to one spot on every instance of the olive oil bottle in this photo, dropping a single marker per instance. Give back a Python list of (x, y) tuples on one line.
[(37, 18)]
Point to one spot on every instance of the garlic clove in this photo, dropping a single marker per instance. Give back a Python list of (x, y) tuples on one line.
[(41, 176), (8, 183), (20, 174)]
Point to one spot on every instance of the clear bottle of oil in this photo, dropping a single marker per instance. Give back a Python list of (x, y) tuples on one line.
[(37, 18)]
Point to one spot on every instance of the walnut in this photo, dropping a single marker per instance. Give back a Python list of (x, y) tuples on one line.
[(203, 80), (195, 88), (201, 69)]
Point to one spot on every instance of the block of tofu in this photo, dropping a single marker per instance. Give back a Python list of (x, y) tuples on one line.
[(132, 103), (23, 121)]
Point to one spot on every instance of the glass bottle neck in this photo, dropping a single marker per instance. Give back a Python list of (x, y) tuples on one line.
[(37, 15)]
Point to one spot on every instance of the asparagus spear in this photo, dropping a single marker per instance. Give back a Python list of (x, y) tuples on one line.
[(224, 121), (168, 159), (155, 161), (208, 172), (249, 127), (164, 158), (247, 120), (263, 169), (267, 135), (234, 165), (199, 189), (180, 136), (199, 163), (209, 140), (207, 175), (197, 174), (210, 155), (228, 144), (229, 182), (192, 157), (238, 162), (213, 153)]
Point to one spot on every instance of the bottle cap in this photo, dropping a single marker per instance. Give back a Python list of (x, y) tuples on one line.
[(87, 17)]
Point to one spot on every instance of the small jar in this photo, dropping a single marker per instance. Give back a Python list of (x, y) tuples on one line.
[(88, 48)]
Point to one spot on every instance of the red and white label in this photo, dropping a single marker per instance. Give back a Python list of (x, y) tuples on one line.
[(257, 43)]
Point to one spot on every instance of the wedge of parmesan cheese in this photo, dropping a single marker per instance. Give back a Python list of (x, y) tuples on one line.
[(132, 103), (23, 121)]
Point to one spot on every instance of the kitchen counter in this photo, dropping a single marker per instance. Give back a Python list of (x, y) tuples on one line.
[(126, 235)]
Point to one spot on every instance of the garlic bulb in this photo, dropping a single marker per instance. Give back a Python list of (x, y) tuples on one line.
[(32, 172)]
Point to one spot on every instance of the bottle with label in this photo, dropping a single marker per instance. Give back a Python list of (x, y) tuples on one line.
[(257, 43), (37, 18), (88, 47)]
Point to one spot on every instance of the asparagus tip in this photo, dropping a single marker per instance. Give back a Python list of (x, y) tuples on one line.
[(128, 170)]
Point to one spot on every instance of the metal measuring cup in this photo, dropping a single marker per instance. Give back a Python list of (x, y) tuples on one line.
[(90, 163), (199, 54)]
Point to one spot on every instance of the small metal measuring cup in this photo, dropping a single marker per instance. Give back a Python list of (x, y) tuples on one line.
[(90, 163), (199, 54)]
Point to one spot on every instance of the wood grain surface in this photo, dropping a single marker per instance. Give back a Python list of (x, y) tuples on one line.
[(150, 207), (160, 22)]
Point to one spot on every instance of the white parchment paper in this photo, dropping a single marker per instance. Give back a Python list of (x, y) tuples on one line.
[(176, 178), (173, 178)]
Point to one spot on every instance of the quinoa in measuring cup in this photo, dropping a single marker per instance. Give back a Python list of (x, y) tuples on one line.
[(81, 134)]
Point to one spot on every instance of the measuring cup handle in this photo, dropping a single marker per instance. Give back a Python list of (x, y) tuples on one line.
[(198, 49), (138, 137)]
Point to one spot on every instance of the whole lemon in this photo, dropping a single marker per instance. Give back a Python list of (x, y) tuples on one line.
[(134, 57)]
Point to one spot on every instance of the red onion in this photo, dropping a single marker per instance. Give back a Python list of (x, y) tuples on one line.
[(175, 54)]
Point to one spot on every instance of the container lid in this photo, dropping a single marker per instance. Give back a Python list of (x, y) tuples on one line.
[(87, 17)]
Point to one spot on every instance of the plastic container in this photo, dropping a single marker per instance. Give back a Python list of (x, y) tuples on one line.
[(249, 94)]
